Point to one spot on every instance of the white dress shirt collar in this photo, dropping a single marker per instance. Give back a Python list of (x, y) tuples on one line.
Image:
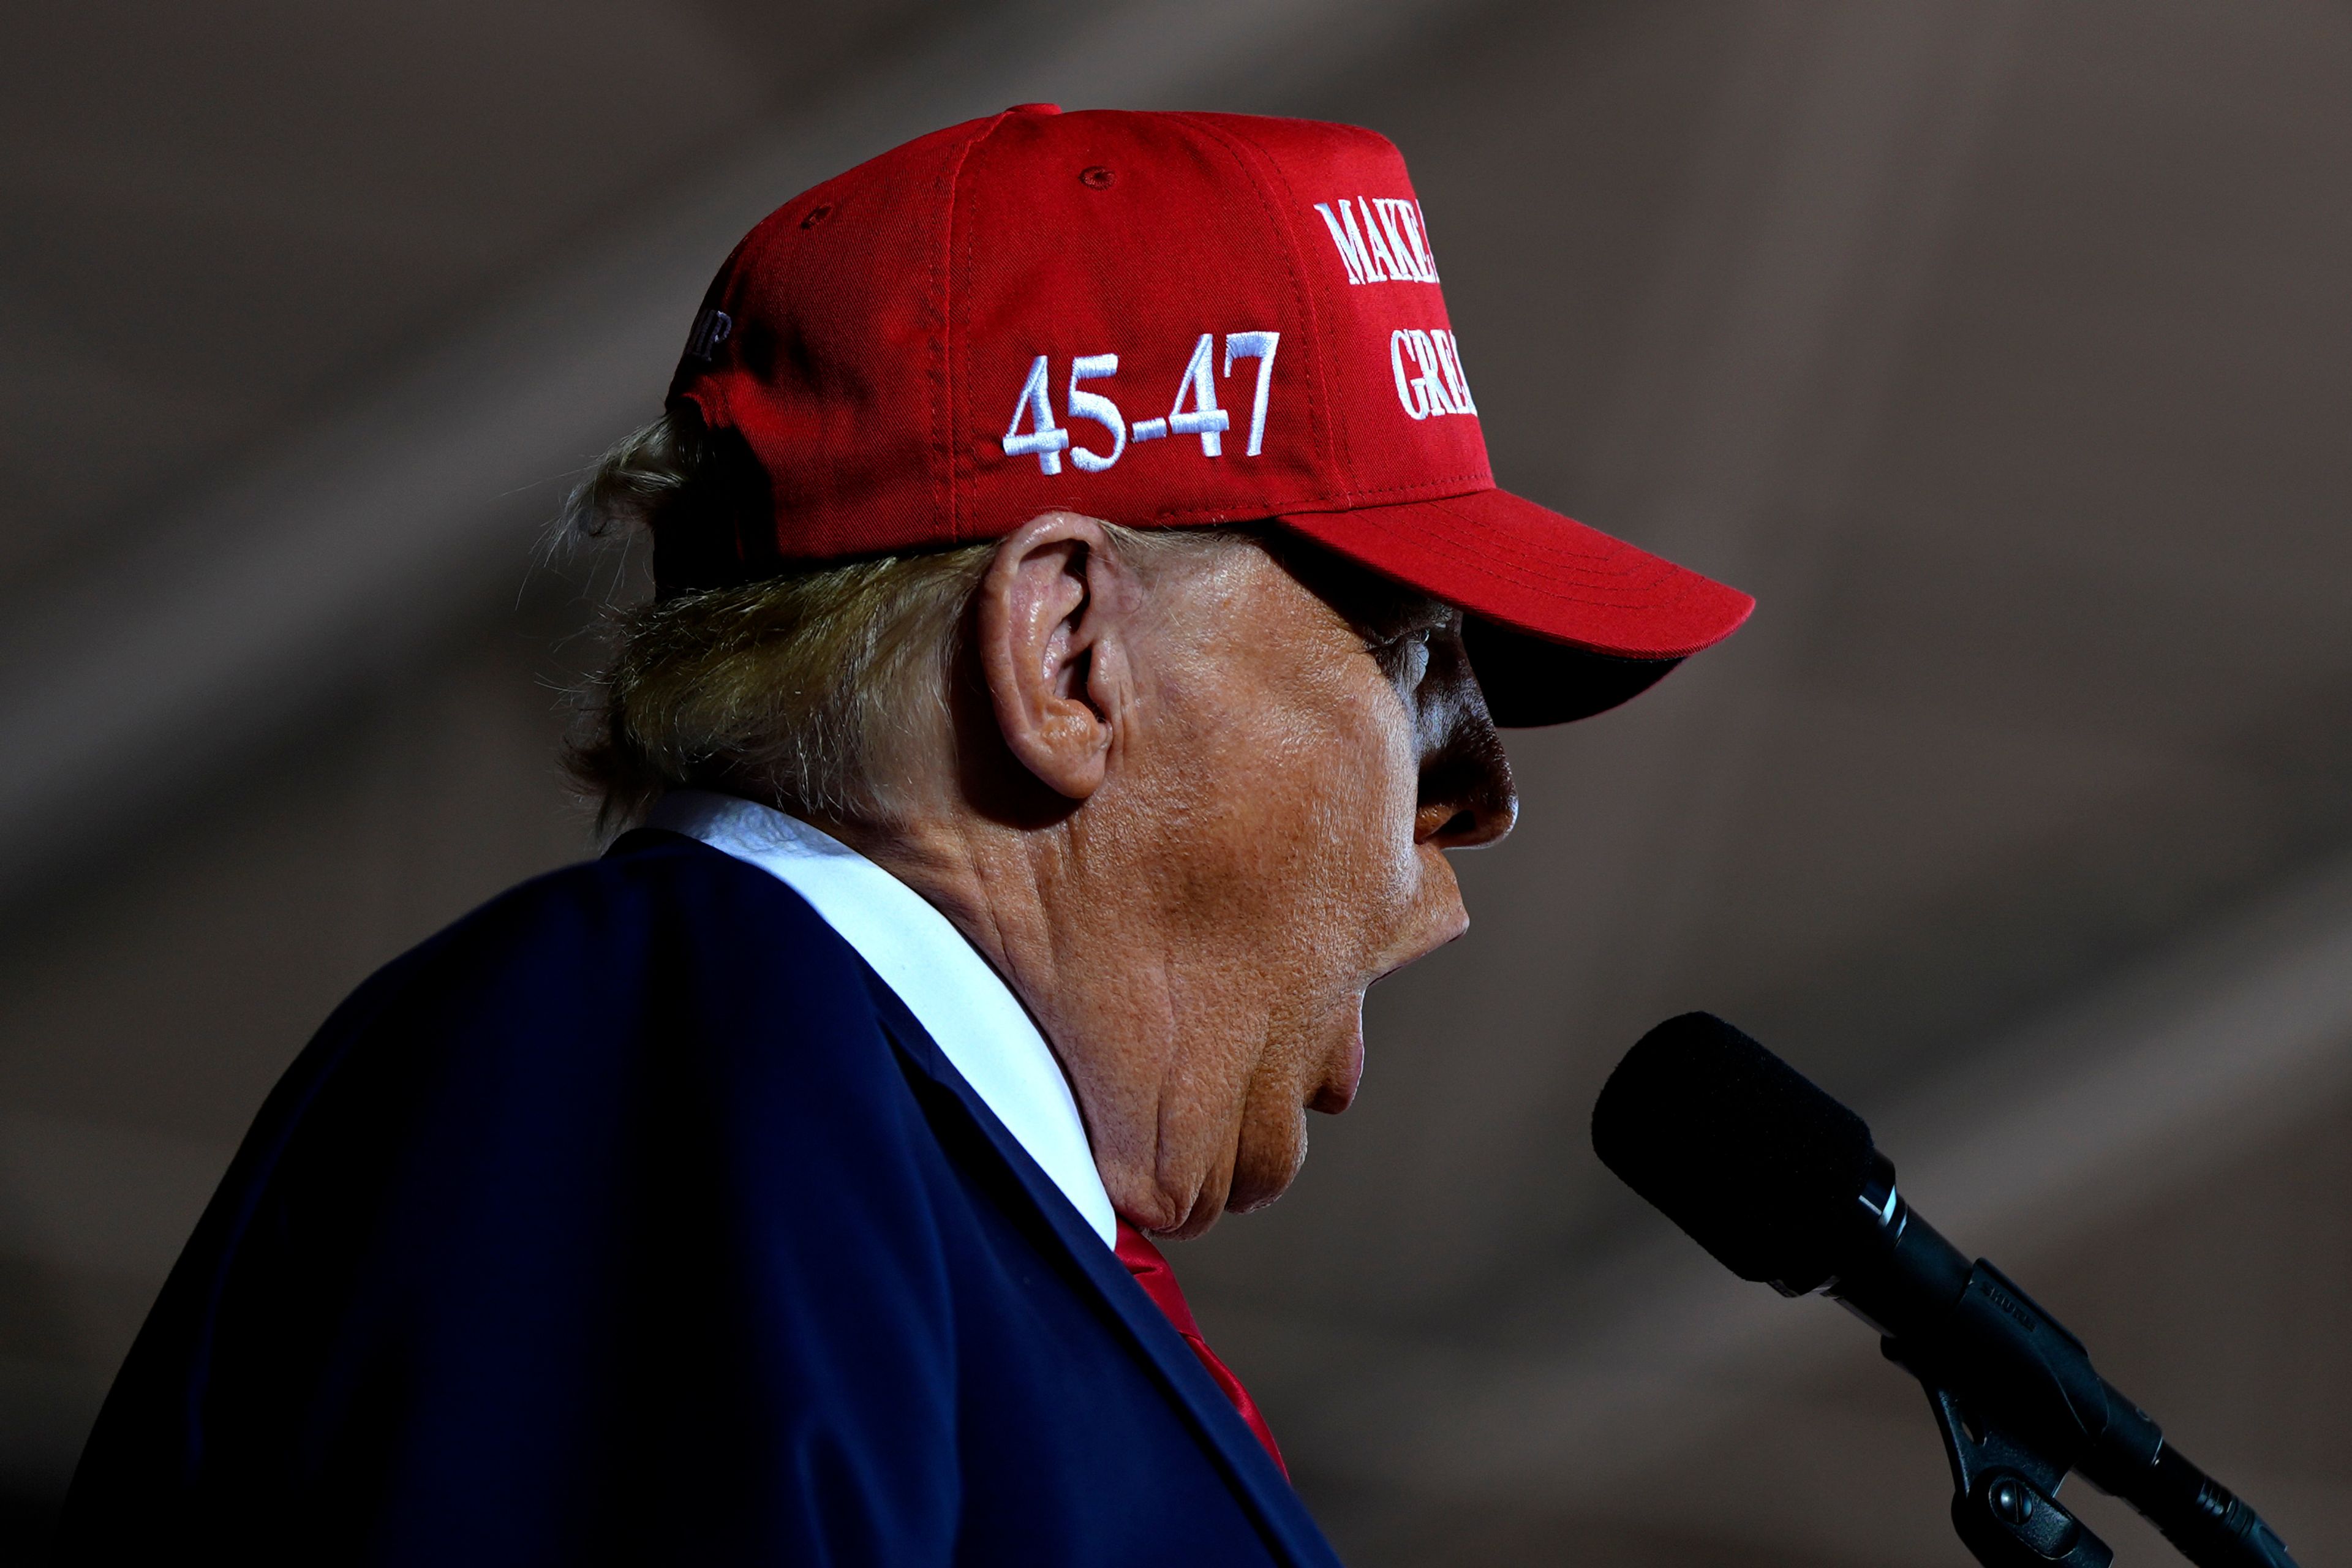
[(941, 978)]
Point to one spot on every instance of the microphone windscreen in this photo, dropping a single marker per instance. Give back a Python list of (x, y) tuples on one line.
[(1737, 1148)]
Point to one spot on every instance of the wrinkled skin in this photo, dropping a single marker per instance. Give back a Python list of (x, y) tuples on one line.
[(1199, 802)]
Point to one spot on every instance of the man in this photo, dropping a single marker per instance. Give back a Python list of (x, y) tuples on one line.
[(1083, 611)]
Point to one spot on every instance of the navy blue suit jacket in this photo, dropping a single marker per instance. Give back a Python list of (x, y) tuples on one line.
[(632, 1219)]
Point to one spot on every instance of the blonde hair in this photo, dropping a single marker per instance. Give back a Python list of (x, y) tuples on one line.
[(815, 690)]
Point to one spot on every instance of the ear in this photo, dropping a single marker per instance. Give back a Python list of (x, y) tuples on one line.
[(1052, 620)]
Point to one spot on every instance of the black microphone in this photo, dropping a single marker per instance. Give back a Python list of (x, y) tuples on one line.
[(1783, 1184)]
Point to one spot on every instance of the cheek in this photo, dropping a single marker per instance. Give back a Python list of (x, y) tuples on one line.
[(1302, 782), (1335, 788), (1370, 792)]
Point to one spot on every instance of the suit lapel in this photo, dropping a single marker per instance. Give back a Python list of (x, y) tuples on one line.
[(1281, 1517), (1280, 1514)]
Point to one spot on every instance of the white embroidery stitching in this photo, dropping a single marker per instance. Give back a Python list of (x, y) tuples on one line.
[(1206, 418), (1386, 209), (1094, 407), (1388, 265), (1351, 244), (1391, 245), (1047, 440), (1411, 394), (1441, 401), (1410, 220), (1259, 346), (1449, 360), (1441, 388)]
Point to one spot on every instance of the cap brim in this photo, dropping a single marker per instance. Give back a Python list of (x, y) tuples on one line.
[(1577, 621)]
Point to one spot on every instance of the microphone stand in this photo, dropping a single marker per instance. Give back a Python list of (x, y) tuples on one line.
[(2006, 1510), (1758, 1164), (2019, 1407)]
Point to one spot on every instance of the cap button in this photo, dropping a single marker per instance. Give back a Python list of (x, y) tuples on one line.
[(1034, 109)]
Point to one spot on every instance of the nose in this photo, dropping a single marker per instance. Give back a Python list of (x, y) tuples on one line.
[(1466, 794)]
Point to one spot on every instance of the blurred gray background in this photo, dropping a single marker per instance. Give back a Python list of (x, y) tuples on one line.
[(2002, 347)]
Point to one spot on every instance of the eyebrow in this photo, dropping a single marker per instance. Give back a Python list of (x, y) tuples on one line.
[(1401, 614)]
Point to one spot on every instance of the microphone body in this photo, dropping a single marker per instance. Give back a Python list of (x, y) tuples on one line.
[(1783, 1184)]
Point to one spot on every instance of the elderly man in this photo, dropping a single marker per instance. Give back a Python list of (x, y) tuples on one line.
[(1082, 614)]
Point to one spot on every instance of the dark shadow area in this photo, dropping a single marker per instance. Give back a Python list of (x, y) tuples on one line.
[(27, 1521)]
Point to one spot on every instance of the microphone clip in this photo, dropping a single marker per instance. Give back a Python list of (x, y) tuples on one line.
[(2004, 1496)]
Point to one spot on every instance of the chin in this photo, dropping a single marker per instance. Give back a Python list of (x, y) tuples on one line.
[(1317, 1068), (1269, 1147), (1344, 1070), (1262, 1175)]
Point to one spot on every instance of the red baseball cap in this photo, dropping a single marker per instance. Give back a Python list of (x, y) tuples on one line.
[(1164, 319)]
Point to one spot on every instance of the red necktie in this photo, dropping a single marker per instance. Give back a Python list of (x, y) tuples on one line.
[(1159, 1282)]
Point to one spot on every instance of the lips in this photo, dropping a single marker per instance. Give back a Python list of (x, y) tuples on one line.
[(1338, 1091)]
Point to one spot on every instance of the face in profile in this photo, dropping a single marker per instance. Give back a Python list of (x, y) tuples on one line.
[(1311, 740)]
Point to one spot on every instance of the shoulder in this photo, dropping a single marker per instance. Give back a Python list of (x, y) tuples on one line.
[(652, 887), (569, 1166), (589, 997), (663, 1030), (662, 920)]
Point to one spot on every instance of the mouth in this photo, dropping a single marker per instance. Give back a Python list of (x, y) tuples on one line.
[(1438, 926), (1449, 928)]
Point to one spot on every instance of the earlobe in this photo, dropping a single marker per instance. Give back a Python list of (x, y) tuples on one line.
[(1041, 634)]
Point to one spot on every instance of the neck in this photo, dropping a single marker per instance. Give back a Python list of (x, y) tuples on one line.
[(983, 880), (1055, 913)]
